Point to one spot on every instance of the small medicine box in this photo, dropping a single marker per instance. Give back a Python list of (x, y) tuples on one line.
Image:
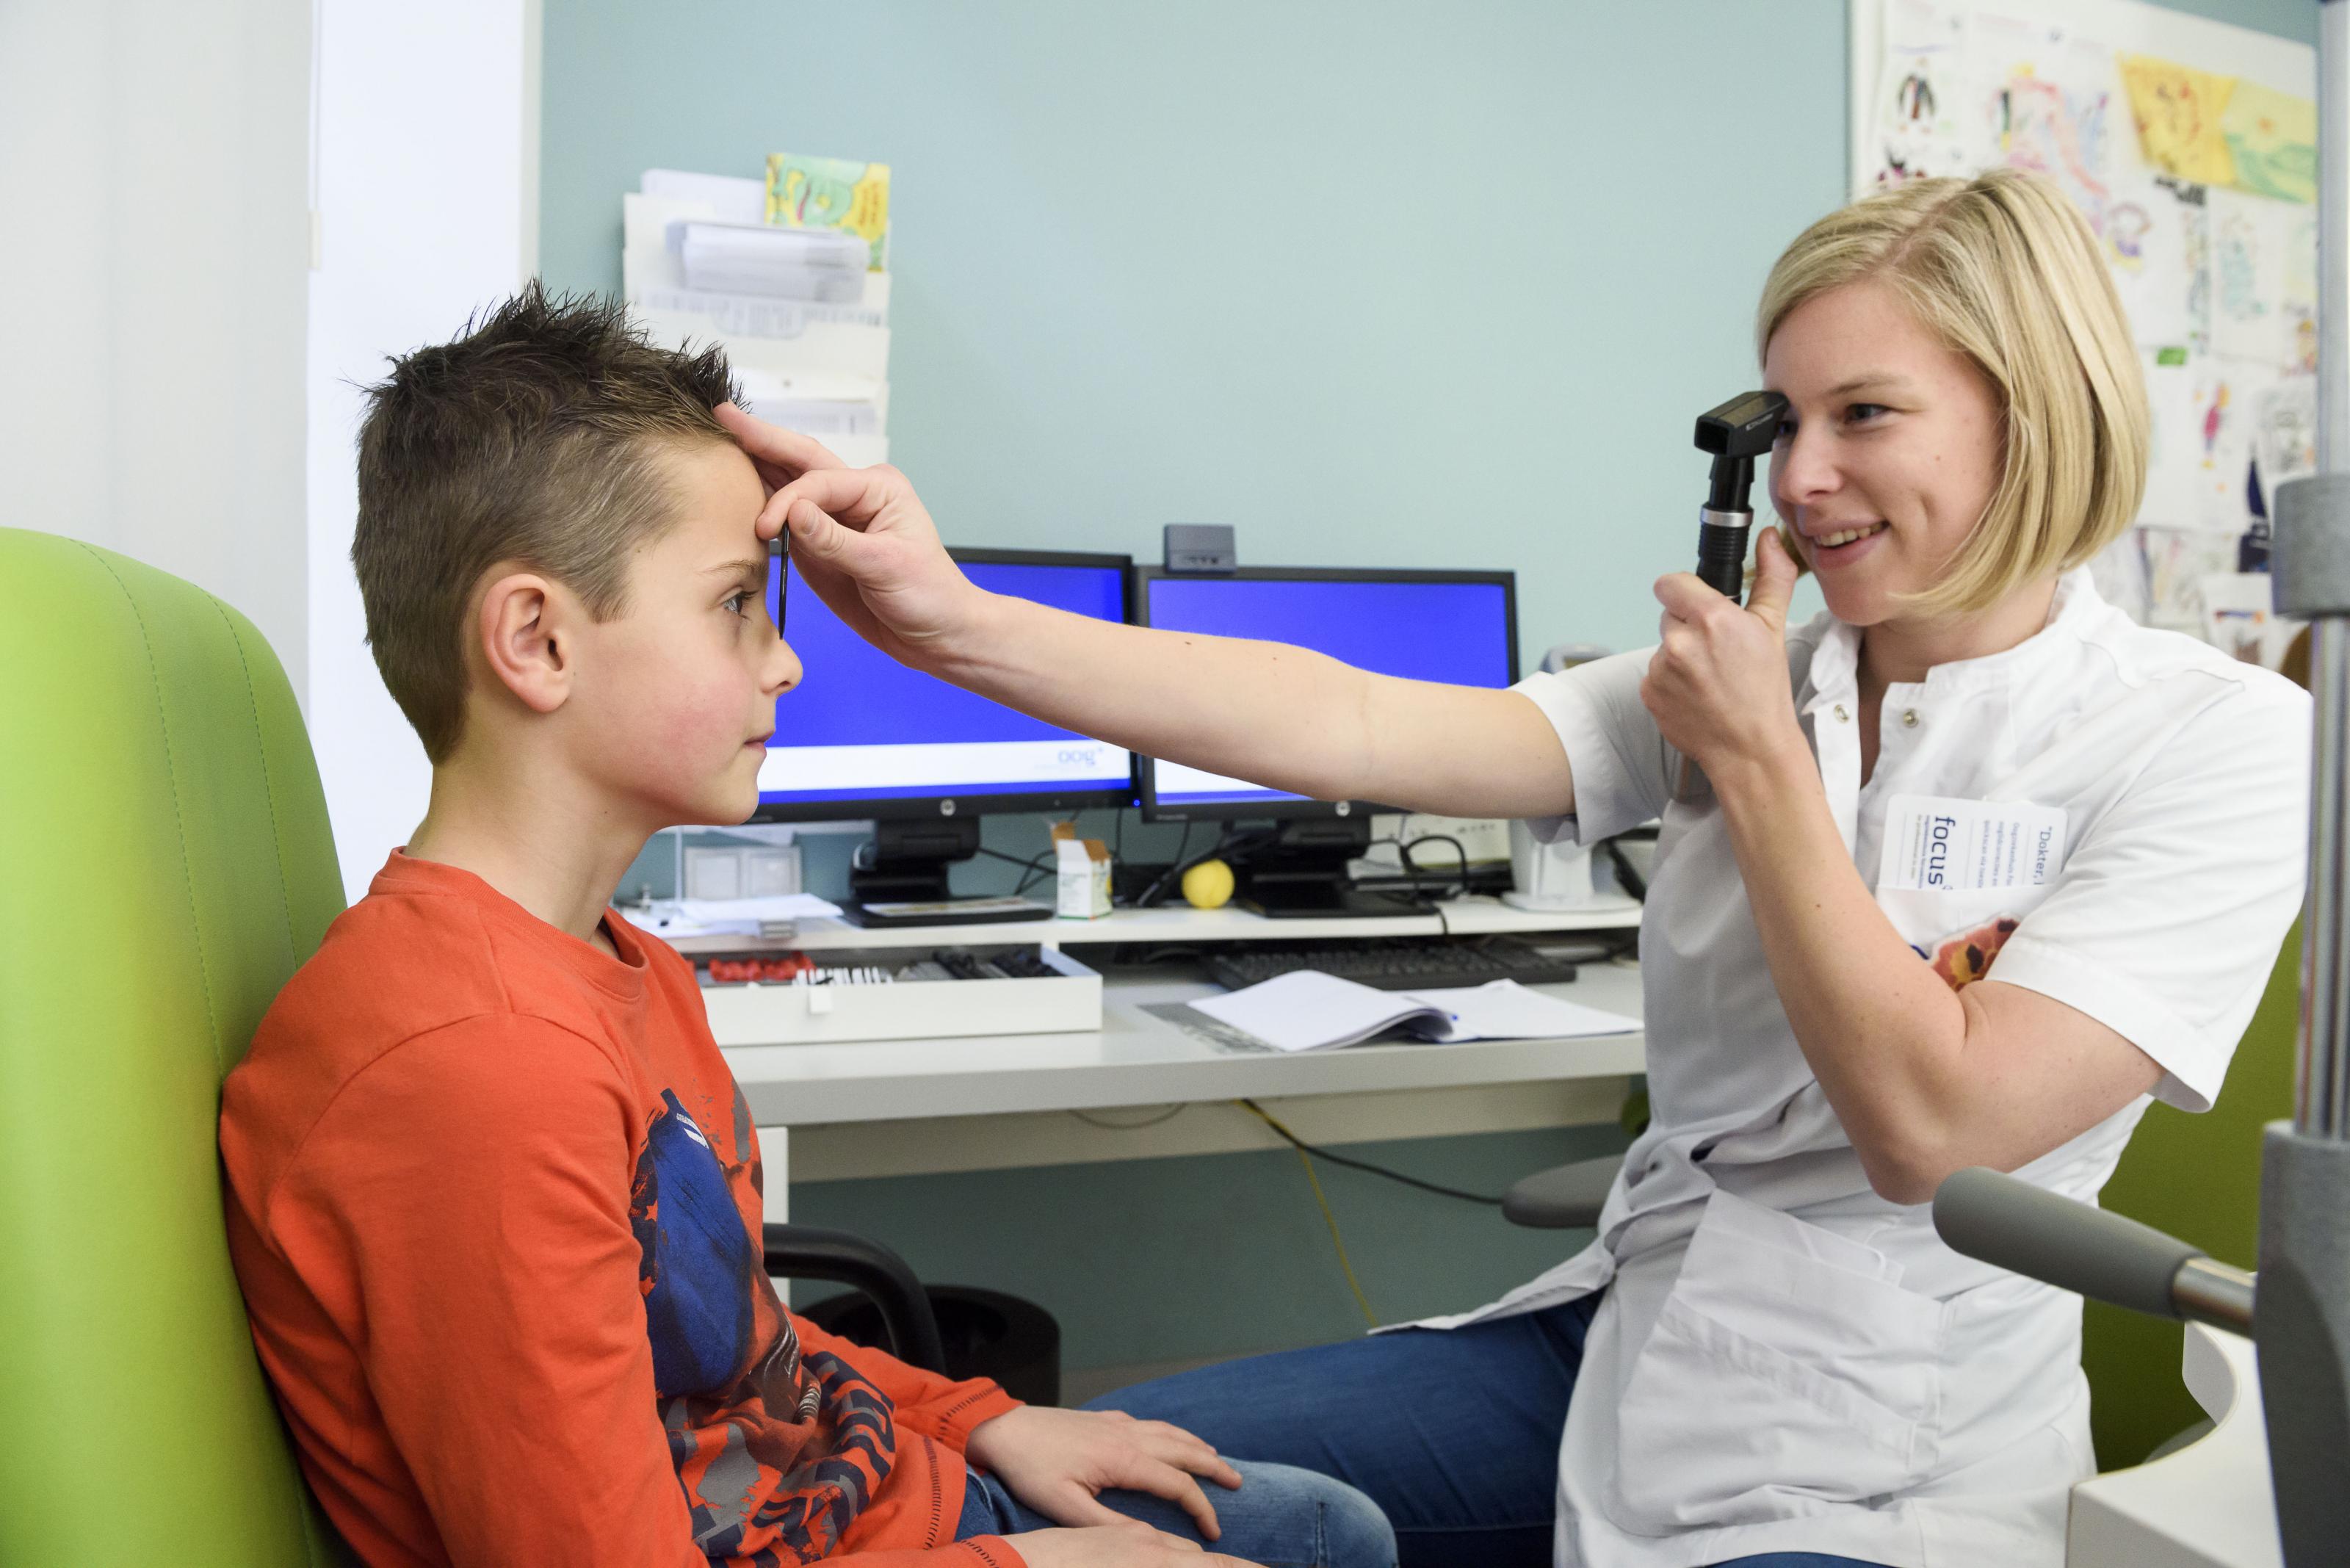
[(926, 996)]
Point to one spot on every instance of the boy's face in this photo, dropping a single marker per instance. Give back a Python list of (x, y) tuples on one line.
[(673, 721)]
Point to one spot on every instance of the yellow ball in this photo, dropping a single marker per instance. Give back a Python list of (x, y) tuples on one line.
[(1208, 885)]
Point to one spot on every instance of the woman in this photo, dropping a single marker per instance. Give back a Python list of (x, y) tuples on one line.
[(1767, 1354)]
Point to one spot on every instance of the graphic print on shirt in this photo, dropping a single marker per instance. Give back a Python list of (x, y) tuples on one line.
[(777, 1459), (1961, 959)]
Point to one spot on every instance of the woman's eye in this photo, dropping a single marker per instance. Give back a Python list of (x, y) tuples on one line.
[(1786, 431), (734, 603), (1861, 414)]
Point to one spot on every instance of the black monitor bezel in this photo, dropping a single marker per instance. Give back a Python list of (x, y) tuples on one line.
[(900, 808), (1137, 613)]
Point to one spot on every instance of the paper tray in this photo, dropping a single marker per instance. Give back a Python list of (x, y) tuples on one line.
[(780, 1014)]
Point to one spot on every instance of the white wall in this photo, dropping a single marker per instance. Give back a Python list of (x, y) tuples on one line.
[(152, 174), (427, 205)]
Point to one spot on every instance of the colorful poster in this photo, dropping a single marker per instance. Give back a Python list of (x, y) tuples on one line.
[(831, 193), (2178, 111), (2272, 139)]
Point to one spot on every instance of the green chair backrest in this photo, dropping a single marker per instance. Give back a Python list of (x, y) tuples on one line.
[(165, 865), (2199, 1177)]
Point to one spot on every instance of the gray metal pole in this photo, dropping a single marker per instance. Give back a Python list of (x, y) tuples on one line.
[(2301, 1320)]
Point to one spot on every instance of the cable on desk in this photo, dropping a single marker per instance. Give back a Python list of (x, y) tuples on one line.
[(1337, 1241), (1301, 1147), (1416, 876), (1168, 1114), (1034, 866)]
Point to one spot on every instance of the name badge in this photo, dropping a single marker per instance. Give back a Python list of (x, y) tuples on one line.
[(1938, 844)]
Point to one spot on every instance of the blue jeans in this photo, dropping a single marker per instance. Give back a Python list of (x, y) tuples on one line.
[(1454, 1433), (1280, 1516)]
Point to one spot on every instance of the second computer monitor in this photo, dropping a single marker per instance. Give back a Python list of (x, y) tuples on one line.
[(1459, 627)]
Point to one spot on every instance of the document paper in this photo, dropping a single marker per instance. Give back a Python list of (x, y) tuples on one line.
[(1308, 1011)]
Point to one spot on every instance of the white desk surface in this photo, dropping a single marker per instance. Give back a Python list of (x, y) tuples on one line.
[(1475, 916), (1137, 1059)]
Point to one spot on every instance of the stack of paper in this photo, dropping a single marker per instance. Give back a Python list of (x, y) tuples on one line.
[(752, 258), (1309, 1011), (774, 915), (802, 312)]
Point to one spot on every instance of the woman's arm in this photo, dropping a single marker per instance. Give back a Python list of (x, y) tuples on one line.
[(1926, 1080), (1278, 716), (1283, 717)]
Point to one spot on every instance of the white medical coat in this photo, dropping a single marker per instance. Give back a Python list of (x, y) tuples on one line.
[(1785, 1360)]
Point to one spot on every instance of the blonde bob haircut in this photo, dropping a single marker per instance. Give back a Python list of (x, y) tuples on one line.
[(2002, 269)]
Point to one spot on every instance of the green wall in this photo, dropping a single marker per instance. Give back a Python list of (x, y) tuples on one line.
[(1386, 285)]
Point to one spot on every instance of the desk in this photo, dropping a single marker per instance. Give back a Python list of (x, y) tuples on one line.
[(1138, 1059), (1470, 916)]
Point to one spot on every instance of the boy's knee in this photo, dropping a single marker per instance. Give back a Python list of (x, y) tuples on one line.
[(1355, 1532)]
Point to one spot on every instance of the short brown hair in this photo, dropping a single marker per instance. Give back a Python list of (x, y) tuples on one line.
[(535, 437), (2004, 269)]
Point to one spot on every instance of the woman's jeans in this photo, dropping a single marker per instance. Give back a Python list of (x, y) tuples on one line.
[(1453, 1433), (1280, 1516)]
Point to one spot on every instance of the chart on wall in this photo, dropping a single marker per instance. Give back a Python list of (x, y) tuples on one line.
[(2190, 146)]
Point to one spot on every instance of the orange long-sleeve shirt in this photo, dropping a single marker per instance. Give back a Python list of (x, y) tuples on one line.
[(495, 1207)]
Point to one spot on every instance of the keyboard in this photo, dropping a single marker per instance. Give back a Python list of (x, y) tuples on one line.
[(1408, 964)]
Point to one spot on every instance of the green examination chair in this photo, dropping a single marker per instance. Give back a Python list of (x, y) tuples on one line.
[(165, 863), (2197, 1177)]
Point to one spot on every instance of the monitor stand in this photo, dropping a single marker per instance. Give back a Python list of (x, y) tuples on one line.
[(906, 884), (1301, 874)]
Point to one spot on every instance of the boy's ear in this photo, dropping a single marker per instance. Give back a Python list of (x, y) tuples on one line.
[(525, 634)]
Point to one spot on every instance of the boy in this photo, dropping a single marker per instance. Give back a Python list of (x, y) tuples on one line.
[(495, 1194)]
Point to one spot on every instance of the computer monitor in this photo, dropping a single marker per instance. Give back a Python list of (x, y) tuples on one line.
[(1461, 628), (864, 736)]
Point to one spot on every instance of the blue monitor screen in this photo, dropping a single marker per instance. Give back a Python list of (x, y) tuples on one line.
[(1431, 629), (862, 728)]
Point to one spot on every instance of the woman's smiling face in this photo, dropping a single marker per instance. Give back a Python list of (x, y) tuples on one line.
[(1891, 450)]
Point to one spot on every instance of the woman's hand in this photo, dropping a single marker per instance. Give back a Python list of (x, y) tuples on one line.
[(1130, 1543), (1057, 1461), (1718, 685), (862, 540)]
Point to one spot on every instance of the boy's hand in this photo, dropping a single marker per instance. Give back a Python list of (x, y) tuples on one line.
[(1130, 1543), (1056, 1461), (862, 540)]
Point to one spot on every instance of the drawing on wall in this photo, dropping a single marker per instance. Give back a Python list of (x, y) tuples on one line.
[(2223, 131), (2284, 430), (2272, 139), (1920, 131), (2157, 247), (2044, 104), (2178, 112)]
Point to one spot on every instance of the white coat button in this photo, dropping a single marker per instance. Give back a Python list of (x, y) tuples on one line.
[(1841, 716), (1909, 718)]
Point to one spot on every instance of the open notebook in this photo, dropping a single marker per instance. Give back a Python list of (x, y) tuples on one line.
[(1309, 1011)]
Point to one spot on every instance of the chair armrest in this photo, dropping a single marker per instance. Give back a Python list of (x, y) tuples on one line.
[(806, 1252), (1563, 1198)]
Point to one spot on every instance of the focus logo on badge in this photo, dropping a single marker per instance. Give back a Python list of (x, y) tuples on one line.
[(1942, 845)]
